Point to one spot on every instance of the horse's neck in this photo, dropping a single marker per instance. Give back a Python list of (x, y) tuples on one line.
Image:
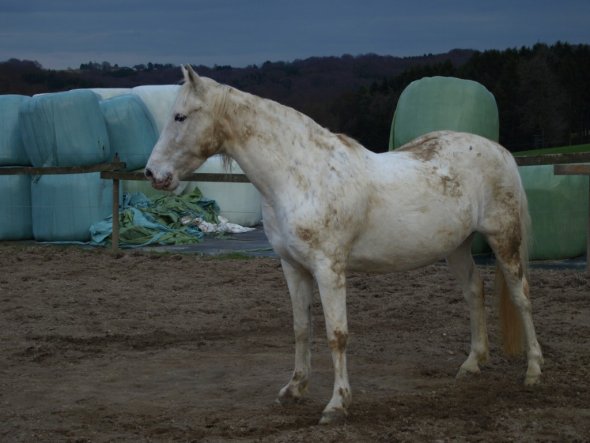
[(268, 140)]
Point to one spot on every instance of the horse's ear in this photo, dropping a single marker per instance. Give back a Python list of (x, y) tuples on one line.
[(190, 76)]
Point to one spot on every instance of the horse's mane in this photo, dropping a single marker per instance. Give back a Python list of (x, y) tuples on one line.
[(227, 162)]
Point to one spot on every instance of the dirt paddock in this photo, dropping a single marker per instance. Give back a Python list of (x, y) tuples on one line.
[(166, 347)]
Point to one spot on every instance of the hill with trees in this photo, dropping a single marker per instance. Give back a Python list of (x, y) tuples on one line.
[(543, 92)]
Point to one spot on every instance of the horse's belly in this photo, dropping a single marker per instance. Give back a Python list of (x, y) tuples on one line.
[(410, 241), (391, 259)]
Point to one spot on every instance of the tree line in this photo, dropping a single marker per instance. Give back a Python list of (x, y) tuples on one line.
[(542, 92), (543, 95)]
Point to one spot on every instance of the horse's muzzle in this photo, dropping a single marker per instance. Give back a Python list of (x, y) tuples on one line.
[(158, 182)]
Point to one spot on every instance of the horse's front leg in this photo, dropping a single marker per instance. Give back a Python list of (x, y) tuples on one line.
[(300, 284), (332, 287)]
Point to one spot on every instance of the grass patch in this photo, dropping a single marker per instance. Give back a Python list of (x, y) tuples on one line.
[(556, 150)]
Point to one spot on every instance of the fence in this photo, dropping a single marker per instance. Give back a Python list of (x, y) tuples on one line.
[(564, 164)]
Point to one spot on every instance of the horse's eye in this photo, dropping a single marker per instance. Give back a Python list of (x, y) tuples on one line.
[(179, 117)]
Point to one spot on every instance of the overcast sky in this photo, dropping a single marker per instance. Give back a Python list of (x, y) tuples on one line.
[(65, 33)]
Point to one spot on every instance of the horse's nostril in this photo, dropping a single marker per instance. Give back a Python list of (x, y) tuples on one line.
[(148, 173)]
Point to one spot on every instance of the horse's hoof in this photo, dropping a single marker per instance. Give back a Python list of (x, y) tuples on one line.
[(464, 373), (287, 398), (532, 380), (333, 416)]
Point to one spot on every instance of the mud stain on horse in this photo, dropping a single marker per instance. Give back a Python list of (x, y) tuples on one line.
[(309, 236), (338, 343), (424, 149), (509, 245), (300, 180), (451, 186)]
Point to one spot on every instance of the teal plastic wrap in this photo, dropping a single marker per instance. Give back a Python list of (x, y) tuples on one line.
[(12, 150), (64, 129), (437, 103), (159, 99), (15, 207), (65, 206), (132, 131), (558, 205)]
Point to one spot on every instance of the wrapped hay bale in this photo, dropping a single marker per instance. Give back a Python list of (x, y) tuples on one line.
[(438, 103), (65, 206), (64, 129), (558, 205), (106, 93), (12, 150), (159, 100), (132, 131), (15, 207)]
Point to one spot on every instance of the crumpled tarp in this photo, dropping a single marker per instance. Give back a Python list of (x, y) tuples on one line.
[(144, 222)]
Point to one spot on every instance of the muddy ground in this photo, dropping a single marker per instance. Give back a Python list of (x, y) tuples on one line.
[(166, 347)]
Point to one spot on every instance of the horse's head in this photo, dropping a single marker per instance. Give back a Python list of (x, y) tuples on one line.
[(192, 134)]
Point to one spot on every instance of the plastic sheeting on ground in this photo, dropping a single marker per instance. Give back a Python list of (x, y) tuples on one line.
[(224, 226), (64, 129), (161, 221), (15, 207), (12, 150), (65, 206), (131, 128), (437, 103)]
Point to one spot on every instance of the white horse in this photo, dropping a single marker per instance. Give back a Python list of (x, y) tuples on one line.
[(330, 206)]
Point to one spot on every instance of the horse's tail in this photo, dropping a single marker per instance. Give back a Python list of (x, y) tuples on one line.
[(510, 319)]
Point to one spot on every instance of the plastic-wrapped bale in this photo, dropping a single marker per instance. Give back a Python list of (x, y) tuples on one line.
[(437, 103), (106, 93), (12, 150), (159, 100), (132, 131), (65, 206), (15, 207), (64, 129), (240, 203), (558, 205)]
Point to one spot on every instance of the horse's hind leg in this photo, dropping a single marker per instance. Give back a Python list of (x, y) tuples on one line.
[(513, 285), (463, 268), (300, 283)]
